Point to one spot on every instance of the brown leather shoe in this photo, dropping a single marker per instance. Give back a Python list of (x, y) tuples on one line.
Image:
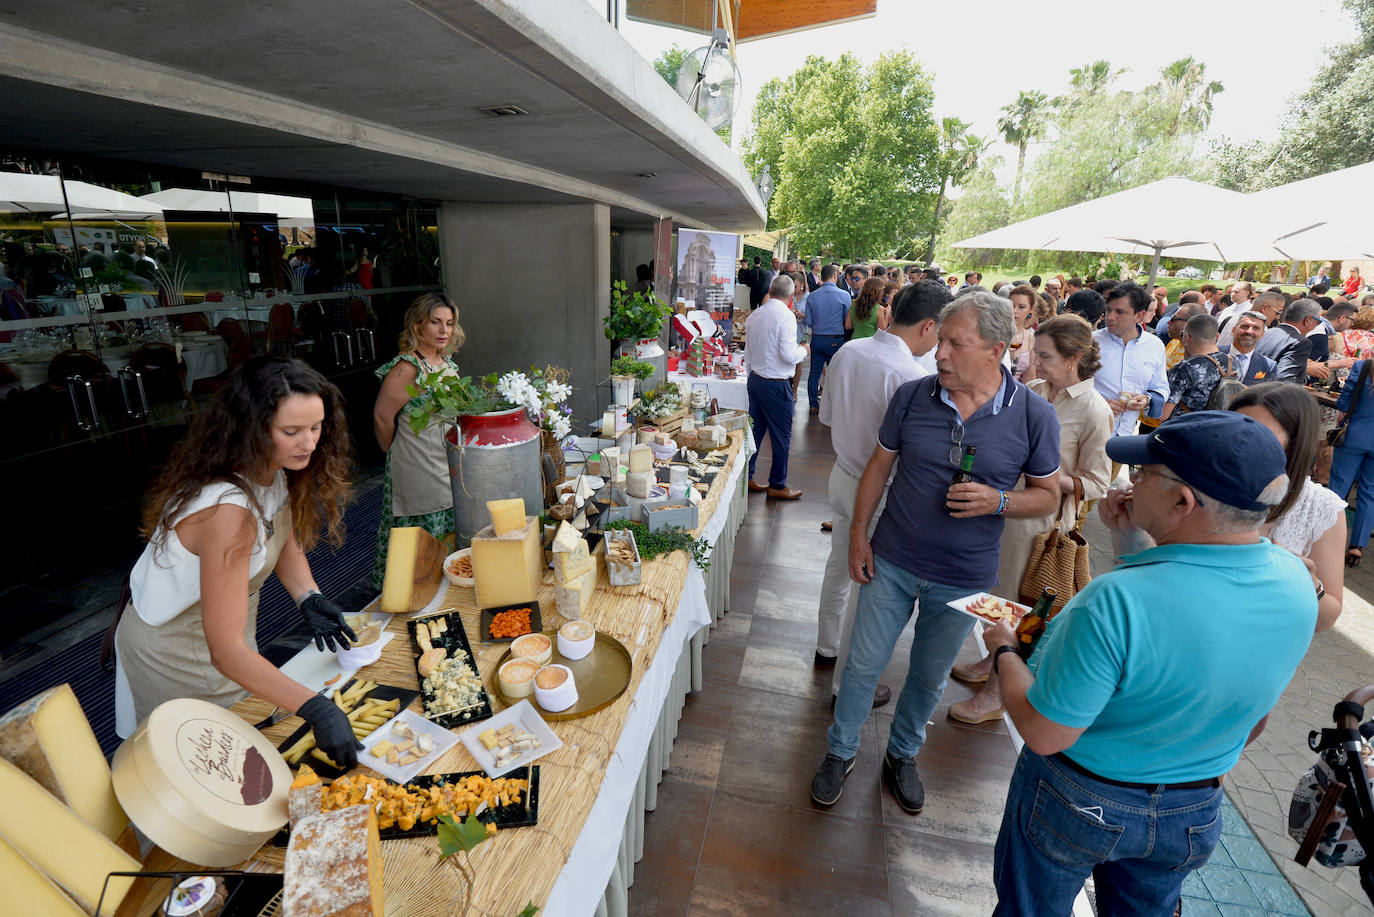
[(757, 488), (784, 493)]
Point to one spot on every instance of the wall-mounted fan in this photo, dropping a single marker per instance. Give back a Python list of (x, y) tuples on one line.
[(709, 81)]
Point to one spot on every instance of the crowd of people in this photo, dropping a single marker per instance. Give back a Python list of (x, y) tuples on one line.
[(1195, 428)]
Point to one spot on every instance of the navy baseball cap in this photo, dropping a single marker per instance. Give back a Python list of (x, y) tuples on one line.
[(1228, 456)]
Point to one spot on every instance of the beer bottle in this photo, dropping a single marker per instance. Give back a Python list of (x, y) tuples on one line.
[(965, 473), (1033, 623)]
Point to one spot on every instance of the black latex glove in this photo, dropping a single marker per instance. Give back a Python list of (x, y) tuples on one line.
[(333, 731), (327, 623)]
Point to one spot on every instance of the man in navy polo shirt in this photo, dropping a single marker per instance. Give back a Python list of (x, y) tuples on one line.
[(825, 312), (935, 542)]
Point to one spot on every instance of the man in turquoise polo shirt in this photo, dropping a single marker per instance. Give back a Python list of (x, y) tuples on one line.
[(1148, 685)]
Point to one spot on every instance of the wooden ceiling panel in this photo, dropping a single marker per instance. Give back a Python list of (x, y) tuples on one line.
[(763, 18)]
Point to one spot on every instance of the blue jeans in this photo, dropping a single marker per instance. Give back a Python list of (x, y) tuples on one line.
[(823, 347), (885, 606), (1351, 466), (1059, 826), (770, 408)]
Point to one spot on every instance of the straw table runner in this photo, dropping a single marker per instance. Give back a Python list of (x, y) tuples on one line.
[(519, 865)]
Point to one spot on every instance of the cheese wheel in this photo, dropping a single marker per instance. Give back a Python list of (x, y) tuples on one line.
[(49, 738), (28, 891), (59, 843), (571, 564), (414, 570), (508, 569), (334, 865)]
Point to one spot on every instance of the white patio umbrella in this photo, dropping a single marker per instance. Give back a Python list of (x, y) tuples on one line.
[(22, 192), (291, 211), (1308, 212), (1175, 216)]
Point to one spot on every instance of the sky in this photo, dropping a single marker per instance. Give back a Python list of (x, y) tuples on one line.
[(982, 52)]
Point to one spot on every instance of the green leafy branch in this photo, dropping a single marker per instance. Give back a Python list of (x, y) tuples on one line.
[(457, 840), (629, 366), (666, 541), (634, 316)]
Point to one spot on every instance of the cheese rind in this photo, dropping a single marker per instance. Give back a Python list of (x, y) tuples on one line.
[(49, 738), (569, 565), (641, 459), (28, 891), (508, 569), (334, 866), (414, 570), (566, 539), (573, 596), (639, 483), (507, 515), (60, 843)]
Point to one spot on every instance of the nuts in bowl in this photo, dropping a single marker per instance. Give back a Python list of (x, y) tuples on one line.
[(458, 567)]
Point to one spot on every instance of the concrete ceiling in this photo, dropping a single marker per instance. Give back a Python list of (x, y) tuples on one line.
[(383, 96)]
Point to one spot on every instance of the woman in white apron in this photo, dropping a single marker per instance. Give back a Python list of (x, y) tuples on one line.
[(416, 489), (243, 495)]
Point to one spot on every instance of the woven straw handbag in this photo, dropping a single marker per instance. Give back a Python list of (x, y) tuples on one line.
[(1058, 557)]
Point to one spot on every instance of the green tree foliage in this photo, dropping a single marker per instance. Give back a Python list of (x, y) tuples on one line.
[(1022, 122), (668, 64), (982, 206), (1326, 128), (855, 154), (1113, 140), (959, 152)]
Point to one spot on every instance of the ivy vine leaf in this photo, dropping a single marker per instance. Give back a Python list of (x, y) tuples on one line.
[(529, 911), (455, 836)]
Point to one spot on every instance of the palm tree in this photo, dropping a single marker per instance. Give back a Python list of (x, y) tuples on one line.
[(1186, 81), (1022, 122), (959, 152), (1091, 79)]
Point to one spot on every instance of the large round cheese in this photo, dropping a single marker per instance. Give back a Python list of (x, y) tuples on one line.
[(201, 783)]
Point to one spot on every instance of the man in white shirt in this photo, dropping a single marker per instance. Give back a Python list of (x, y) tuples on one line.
[(1133, 360), (772, 353), (860, 381), (1241, 294)]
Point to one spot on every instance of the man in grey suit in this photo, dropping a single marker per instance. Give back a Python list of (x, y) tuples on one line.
[(1251, 367), (1287, 344)]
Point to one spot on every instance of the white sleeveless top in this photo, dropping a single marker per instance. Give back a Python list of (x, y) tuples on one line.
[(166, 580), (1312, 515)]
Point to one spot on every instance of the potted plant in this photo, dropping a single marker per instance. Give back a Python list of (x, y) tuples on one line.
[(625, 372), (502, 425), (633, 325)]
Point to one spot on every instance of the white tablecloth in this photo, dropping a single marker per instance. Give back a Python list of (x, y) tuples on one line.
[(583, 880), (204, 357), (73, 306), (730, 394), (254, 313)]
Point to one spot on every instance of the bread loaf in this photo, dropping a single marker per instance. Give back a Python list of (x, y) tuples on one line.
[(334, 865)]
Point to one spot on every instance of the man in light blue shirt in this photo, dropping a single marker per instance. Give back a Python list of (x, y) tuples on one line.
[(825, 312), (1145, 689)]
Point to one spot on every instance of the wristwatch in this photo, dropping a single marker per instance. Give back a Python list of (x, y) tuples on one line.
[(997, 654)]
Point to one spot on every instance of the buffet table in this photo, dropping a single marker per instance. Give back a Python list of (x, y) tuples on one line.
[(730, 394), (594, 790)]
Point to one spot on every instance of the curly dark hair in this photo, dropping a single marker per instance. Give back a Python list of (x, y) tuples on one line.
[(232, 441), (870, 297)]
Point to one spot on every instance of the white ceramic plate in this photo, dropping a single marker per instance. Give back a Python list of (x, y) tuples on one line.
[(525, 718), (964, 603), (458, 580), (443, 740)]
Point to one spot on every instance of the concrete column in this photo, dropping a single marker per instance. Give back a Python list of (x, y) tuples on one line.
[(532, 285)]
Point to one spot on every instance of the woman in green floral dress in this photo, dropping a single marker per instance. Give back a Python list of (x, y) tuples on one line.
[(416, 491)]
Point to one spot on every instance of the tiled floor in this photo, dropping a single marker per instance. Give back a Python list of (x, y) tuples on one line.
[(735, 831)]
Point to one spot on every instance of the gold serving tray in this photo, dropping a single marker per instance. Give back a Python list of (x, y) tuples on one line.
[(602, 676)]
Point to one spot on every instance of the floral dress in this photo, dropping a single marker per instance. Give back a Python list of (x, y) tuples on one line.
[(438, 523)]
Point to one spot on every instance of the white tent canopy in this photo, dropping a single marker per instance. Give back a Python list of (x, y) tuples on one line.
[(291, 211), (1173, 216), (1314, 217), (22, 192)]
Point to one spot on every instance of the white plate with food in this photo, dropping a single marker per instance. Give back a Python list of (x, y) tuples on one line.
[(990, 609), (458, 568), (405, 745), (318, 670), (513, 738)]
